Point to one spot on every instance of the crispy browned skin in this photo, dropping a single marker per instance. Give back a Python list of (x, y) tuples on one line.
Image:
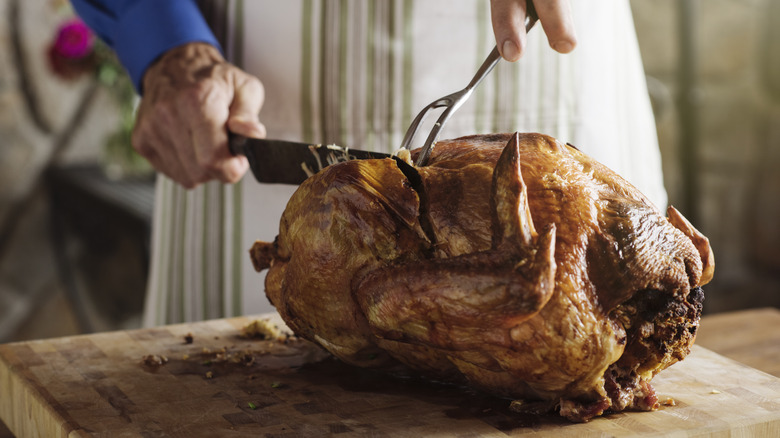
[(513, 262)]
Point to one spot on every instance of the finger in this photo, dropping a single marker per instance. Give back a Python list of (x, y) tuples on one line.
[(165, 163), (508, 18), (209, 137), (159, 164), (239, 164), (214, 155), (247, 128), (558, 24), (245, 108), (157, 146), (176, 122), (181, 148)]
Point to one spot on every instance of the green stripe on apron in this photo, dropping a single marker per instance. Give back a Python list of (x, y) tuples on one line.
[(356, 100), (237, 213), (238, 34), (221, 255), (163, 284), (342, 74), (323, 73), (391, 88), (408, 67), (370, 74), (238, 251), (204, 259), (182, 204), (307, 111)]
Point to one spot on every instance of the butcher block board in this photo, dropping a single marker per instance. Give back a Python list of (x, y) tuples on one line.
[(223, 384)]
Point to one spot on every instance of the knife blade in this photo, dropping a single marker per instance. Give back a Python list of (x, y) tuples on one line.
[(288, 162)]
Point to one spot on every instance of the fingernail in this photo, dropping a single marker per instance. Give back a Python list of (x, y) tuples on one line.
[(562, 46), (510, 51)]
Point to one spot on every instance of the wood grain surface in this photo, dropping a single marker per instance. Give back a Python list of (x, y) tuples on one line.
[(224, 385), (751, 337)]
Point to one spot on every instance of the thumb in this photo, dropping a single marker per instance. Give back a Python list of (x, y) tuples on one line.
[(248, 99)]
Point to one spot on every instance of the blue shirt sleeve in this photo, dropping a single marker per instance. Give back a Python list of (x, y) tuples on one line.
[(140, 31)]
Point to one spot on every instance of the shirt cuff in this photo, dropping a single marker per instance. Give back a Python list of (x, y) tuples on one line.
[(150, 28)]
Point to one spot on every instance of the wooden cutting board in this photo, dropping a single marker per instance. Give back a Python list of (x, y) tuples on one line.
[(222, 384)]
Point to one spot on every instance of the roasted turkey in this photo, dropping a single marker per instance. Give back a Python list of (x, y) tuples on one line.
[(511, 262)]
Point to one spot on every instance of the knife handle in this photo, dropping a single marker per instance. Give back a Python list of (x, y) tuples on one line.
[(236, 143)]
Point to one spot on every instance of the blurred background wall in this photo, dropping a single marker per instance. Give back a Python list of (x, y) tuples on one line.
[(713, 74), (46, 120)]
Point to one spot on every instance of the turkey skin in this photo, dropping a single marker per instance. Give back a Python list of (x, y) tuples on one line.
[(511, 262)]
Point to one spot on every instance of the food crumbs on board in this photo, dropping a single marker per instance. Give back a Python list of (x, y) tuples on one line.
[(188, 339), (185, 356), (669, 402), (154, 360), (252, 406), (714, 391), (244, 357), (276, 384), (261, 329), (209, 374)]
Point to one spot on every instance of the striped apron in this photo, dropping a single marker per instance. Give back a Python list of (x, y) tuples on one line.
[(355, 73)]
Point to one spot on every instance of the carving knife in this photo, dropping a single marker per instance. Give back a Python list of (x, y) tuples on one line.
[(287, 162)]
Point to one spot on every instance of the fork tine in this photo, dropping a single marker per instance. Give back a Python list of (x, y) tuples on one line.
[(415, 125), (427, 148), (412, 131)]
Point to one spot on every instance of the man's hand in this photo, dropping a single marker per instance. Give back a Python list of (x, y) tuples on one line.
[(508, 18), (191, 94)]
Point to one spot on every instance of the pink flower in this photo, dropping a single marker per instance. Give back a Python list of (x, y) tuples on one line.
[(74, 40)]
